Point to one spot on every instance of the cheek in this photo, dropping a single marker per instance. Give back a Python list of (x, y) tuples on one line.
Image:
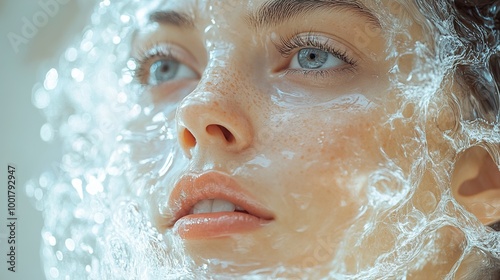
[(341, 141), (333, 155)]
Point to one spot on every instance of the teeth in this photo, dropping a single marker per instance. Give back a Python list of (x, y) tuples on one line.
[(213, 205), (220, 205), (204, 206)]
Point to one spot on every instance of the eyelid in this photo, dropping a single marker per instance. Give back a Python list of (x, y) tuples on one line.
[(288, 46)]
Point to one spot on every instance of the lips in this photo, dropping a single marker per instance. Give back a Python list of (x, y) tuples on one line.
[(214, 205)]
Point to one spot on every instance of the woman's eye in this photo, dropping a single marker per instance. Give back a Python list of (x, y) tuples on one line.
[(313, 58), (167, 70)]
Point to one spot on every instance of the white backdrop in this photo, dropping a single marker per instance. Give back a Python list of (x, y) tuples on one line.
[(33, 33)]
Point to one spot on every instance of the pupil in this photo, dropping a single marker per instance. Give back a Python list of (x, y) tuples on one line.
[(312, 58), (165, 68)]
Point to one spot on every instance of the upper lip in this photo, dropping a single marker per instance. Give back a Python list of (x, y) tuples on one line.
[(193, 188)]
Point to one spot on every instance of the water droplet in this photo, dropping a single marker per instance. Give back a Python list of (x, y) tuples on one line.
[(52, 240), (71, 54), (77, 74), (46, 132), (125, 18), (54, 272), (38, 194), (51, 79), (70, 244), (116, 40), (99, 218), (41, 99), (59, 255)]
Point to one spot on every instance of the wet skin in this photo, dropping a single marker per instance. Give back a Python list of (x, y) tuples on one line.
[(294, 108)]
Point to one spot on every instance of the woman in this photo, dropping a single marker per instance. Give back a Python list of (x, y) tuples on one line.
[(278, 139)]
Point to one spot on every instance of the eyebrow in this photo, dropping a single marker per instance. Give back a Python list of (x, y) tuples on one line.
[(273, 12), (276, 11), (174, 18)]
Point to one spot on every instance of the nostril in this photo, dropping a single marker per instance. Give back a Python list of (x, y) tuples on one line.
[(227, 134), (216, 130), (189, 139)]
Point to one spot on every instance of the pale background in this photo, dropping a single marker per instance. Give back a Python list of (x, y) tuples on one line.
[(20, 121)]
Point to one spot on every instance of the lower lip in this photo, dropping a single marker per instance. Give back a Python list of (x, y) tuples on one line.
[(219, 224)]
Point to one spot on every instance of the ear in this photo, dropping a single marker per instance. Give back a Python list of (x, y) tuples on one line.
[(476, 184)]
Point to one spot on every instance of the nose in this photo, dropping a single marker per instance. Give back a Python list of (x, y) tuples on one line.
[(210, 118)]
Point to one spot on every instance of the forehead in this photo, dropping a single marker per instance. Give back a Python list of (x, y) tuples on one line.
[(226, 8), (394, 16), (229, 19)]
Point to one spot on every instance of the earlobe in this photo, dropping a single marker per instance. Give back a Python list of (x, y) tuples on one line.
[(476, 184)]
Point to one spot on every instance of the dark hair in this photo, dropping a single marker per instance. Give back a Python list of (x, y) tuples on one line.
[(477, 23), (474, 26)]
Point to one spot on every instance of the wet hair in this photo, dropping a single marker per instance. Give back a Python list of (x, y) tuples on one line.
[(478, 25), (475, 24)]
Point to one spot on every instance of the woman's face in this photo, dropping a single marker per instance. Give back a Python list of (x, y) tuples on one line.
[(285, 113)]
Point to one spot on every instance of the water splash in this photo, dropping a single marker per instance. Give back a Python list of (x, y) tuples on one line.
[(119, 151)]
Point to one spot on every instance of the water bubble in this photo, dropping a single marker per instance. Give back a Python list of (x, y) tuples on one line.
[(30, 188), (70, 244), (38, 194), (77, 74), (127, 78), (51, 79), (59, 255), (45, 180), (41, 99), (54, 272), (131, 64), (71, 54), (99, 218), (446, 119), (387, 188), (426, 202), (117, 40), (135, 111), (46, 132), (122, 97), (413, 222), (52, 240), (87, 46), (77, 184), (105, 3), (87, 248), (125, 18), (94, 186)]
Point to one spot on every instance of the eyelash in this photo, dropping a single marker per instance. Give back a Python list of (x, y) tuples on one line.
[(145, 59), (287, 45)]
